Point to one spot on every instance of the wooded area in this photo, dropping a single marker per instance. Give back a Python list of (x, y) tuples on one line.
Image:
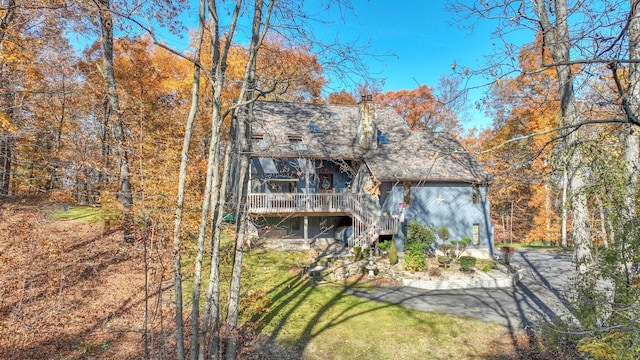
[(96, 109)]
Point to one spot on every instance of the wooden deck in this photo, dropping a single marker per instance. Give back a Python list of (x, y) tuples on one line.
[(283, 203), (365, 222)]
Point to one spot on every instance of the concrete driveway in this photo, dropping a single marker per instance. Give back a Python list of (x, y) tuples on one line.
[(540, 294)]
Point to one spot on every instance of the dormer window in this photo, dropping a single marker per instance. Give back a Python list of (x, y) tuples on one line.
[(295, 141), (382, 138), (315, 129), (257, 142)]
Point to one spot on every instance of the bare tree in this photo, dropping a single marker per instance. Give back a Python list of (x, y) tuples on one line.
[(556, 38), (184, 159), (260, 25), (114, 116), (576, 35), (6, 141)]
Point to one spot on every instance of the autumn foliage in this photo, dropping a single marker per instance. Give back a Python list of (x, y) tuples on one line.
[(525, 191)]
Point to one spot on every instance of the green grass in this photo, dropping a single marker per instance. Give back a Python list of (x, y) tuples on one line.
[(329, 324), (87, 214), (323, 322)]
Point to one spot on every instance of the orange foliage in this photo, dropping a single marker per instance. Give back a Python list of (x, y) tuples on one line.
[(341, 98), (522, 186), (420, 109)]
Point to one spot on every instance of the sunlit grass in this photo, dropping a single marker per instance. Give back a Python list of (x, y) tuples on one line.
[(323, 322), (326, 323), (87, 214)]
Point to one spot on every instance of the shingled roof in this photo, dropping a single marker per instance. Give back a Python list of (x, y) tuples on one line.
[(425, 156), (329, 132)]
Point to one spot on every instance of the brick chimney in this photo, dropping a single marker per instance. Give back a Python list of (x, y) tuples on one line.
[(367, 130)]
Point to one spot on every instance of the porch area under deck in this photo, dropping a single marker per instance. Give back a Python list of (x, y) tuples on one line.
[(367, 227)]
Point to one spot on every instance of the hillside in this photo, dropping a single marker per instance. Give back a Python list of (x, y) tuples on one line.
[(70, 289)]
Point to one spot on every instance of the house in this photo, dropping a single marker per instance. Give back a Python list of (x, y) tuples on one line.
[(358, 174)]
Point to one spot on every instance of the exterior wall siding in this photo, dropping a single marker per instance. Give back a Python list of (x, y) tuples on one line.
[(269, 175), (441, 204)]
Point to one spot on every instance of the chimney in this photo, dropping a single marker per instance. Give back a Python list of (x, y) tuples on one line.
[(367, 131)]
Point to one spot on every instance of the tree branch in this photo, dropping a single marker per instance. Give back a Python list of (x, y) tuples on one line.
[(571, 127), (631, 116)]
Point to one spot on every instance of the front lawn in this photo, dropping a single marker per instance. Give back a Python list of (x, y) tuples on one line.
[(322, 322)]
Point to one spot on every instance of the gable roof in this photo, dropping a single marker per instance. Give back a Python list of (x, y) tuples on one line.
[(425, 156), (329, 132)]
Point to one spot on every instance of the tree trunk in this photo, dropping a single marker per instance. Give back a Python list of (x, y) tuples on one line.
[(558, 41), (511, 225), (603, 223), (114, 116), (6, 145), (632, 138), (6, 140), (565, 186), (244, 150), (212, 306), (234, 287), (182, 179)]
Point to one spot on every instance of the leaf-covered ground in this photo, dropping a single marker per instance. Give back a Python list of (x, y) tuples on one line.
[(72, 290)]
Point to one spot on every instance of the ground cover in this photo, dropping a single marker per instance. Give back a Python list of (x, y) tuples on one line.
[(72, 290)]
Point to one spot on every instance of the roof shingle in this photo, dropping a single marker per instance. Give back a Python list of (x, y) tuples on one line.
[(329, 132)]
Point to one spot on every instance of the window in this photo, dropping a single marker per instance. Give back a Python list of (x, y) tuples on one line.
[(315, 129), (382, 138), (475, 193), (475, 236)]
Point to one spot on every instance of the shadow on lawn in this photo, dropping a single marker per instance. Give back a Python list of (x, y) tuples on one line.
[(532, 301), (299, 290)]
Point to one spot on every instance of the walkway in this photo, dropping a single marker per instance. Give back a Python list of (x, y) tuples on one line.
[(540, 295)]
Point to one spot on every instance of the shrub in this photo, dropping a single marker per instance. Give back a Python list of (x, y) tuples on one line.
[(444, 260), (384, 245), (486, 264), (445, 248), (461, 245), (435, 271), (443, 234), (414, 260), (419, 237), (393, 252), (467, 263), (357, 252), (366, 252)]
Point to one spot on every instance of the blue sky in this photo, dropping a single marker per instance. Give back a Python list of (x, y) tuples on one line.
[(425, 44), (419, 33)]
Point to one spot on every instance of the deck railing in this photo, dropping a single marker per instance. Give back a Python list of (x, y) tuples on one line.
[(365, 225), (296, 202)]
